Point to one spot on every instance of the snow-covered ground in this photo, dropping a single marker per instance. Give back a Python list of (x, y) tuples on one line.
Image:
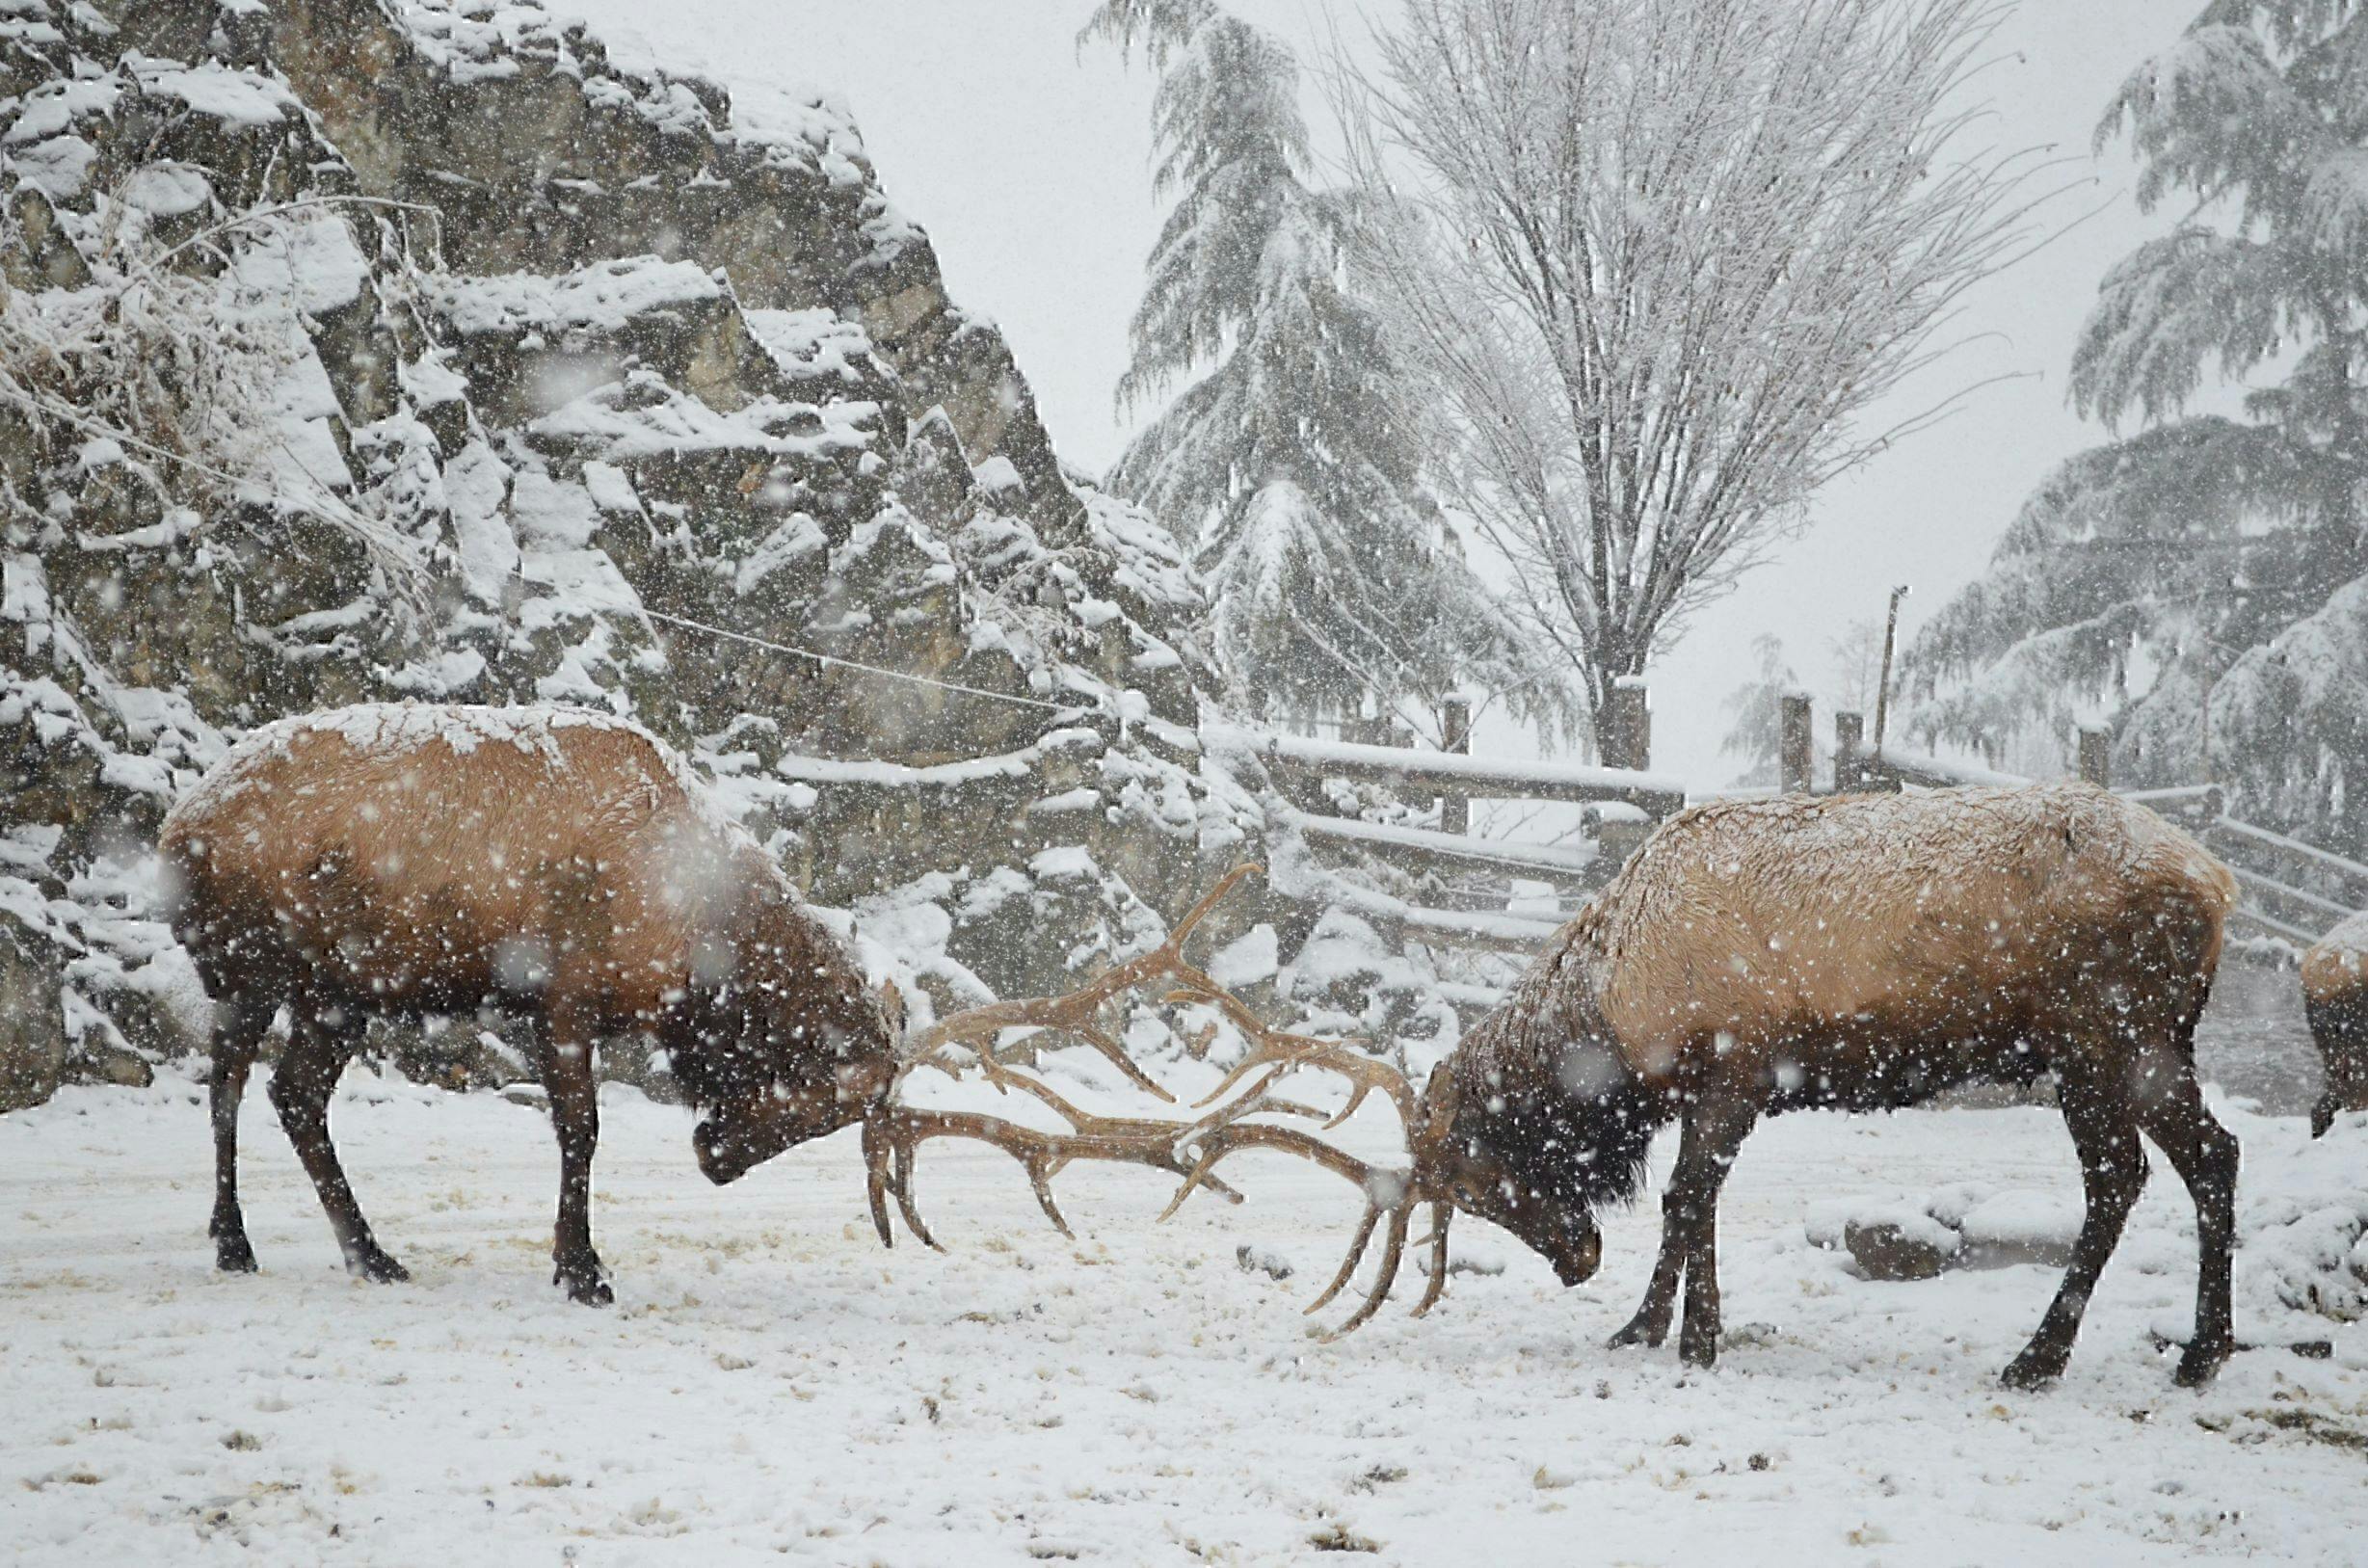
[(772, 1382)]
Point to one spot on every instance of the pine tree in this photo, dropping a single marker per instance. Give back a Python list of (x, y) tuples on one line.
[(1757, 707), (2202, 560), (1292, 468)]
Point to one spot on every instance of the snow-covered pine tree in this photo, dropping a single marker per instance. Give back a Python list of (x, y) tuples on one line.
[(1292, 466), (2206, 560), (1757, 708)]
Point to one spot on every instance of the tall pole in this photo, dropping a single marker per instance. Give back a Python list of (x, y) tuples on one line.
[(1882, 683)]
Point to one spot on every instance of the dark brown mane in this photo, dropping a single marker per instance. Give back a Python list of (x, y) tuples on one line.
[(1545, 1094)]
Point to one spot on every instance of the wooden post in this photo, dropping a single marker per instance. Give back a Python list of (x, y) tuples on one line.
[(1795, 755), (1455, 731), (1882, 683), (1848, 742), (2096, 755), (1631, 731)]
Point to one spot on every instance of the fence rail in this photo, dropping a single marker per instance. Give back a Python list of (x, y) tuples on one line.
[(2270, 867), (1451, 774)]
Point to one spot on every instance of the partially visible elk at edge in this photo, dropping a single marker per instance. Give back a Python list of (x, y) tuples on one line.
[(565, 869), (2335, 1001), (1862, 952)]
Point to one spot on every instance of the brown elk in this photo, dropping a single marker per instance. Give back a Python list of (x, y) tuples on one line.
[(2335, 1001), (567, 868), (1860, 952)]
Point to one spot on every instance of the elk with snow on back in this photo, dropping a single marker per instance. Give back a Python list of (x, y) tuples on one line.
[(469, 861), (1860, 952), (567, 868)]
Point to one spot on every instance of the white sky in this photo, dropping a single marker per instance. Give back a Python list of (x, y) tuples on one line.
[(1028, 164)]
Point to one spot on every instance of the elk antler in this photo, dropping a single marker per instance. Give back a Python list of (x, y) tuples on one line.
[(894, 1133), (1078, 1013), (1227, 1130)]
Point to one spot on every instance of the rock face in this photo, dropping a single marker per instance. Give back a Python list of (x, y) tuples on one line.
[(356, 350)]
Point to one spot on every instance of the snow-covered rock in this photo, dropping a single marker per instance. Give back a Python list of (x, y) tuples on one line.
[(366, 350)]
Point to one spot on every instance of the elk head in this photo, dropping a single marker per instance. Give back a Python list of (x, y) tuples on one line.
[(1538, 1158), (780, 1042)]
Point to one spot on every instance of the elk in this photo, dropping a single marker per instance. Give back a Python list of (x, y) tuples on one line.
[(1860, 952), (567, 868), (2335, 1001)]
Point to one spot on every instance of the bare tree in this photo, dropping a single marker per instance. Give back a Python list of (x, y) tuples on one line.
[(1660, 258), (1857, 665)]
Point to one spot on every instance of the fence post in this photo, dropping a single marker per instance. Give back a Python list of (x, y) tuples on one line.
[(2096, 755), (1631, 731), (1455, 731), (1849, 741), (1795, 752)]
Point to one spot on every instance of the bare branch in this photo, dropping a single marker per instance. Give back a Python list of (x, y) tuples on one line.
[(1660, 258)]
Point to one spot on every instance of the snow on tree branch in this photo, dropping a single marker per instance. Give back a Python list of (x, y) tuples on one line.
[(1660, 258)]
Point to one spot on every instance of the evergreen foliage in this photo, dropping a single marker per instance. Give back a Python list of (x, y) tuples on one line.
[(1292, 466), (2203, 559)]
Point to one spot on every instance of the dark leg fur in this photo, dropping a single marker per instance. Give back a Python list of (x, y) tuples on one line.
[(1713, 1130), (2205, 1154), (309, 1073), (575, 1116), (239, 1028), (2339, 1026), (2112, 1169)]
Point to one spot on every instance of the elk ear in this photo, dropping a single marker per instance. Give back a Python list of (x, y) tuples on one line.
[(891, 1003)]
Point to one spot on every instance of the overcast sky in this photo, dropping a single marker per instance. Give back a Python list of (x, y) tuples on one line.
[(1028, 164)]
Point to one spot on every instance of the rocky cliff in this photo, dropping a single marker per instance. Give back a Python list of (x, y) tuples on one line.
[(354, 349)]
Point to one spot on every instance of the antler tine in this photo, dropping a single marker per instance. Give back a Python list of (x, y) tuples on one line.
[(1078, 1013), (1207, 902), (1226, 1141), (1386, 1192), (893, 1134), (1286, 1053), (1393, 1252), (1119, 1127), (1440, 1214), (1348, 1265)]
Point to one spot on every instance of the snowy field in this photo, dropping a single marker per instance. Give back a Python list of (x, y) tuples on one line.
[(771, 1382)]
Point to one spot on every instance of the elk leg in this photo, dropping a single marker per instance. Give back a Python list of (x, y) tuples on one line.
[(1721, 1127), (1713, 1131), (2112, 1172), (575, 1116), (307, 1073), (1651, 1323), (239, 1027), (2205, 1155)]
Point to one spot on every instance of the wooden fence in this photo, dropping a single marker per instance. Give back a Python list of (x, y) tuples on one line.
[(2293, 891), (1315, 837)]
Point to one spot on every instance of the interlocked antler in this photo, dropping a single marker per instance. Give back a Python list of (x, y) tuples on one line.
[(894, 1133), (1394, 1193)]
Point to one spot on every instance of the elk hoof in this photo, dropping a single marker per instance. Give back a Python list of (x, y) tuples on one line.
[(1639, 1330), (233, 1255), (2199, 1364), (375, 1265), (585, 1283), (1699, 1349), (2034, 1370)]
